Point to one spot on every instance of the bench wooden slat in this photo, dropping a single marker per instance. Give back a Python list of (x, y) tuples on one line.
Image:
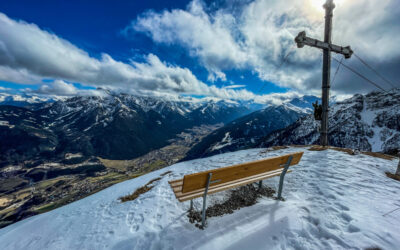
[(179, 189), (197, 181), (177, 183), (228, 185)]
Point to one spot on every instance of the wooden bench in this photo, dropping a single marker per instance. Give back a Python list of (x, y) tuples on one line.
[(212, 181)]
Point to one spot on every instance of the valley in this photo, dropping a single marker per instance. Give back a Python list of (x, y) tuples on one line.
[(50, 184), (59, 152)]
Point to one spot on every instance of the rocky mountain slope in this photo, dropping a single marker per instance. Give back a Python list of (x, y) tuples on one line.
[(246, 132), (364, 122)]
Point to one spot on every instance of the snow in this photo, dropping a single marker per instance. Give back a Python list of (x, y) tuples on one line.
[(368, 116), (6, 124), (333, 201), (7, 97), (226, 141)]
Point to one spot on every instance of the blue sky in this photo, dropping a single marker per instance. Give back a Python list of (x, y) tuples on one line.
[(97, 27), (227, 49)]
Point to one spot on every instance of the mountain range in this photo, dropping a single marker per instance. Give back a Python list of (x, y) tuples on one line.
[(112, 126)]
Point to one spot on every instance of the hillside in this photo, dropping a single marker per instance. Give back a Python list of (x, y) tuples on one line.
[(364, 122), (248, 131), (333, 201)]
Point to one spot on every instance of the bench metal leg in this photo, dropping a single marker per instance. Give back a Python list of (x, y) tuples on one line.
[(203, 216), (285, 169), (260, 185), (191, 205)]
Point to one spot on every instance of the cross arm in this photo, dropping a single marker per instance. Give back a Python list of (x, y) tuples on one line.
[(302, 40)]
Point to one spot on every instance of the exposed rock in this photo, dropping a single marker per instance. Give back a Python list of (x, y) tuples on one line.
[(364, 122)]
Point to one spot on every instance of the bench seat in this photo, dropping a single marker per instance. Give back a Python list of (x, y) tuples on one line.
[(176, 185)]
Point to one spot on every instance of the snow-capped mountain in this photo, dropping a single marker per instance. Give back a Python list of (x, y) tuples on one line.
[(247, 131), (111, 126), (25, 100), (365, 122), (120, 126), (333, 201), (305, 102)]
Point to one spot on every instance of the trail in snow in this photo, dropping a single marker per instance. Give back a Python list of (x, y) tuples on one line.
[(333, 201)]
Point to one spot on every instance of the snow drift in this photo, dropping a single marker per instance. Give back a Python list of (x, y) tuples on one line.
[(333, 201)]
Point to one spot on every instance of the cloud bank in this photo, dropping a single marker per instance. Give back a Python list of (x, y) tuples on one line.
[(259, 35), (28, 54)]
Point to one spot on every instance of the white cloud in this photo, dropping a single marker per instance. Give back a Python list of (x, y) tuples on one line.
[(259, 35), (234, 87), (205, 37), (59, 88), (28, 53), (4, 89), (277, 98), (17, 75)]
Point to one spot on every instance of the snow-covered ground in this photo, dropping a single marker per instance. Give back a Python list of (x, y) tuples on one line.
[(333, 201)]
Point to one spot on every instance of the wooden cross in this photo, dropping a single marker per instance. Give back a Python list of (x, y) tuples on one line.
[(327, 48)]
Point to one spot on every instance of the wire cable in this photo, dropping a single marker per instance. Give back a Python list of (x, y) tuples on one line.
[(337, 70), (375, 71), (359, 74)]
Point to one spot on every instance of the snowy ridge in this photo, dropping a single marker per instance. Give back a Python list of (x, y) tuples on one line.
[(365, 122), (111, 102), (333, 201), (25, 100)]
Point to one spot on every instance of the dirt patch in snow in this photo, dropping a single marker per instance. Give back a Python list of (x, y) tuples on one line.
[(352, 152), (318, 148), (345, 150), (241, 197), (379, 155), (274, 148), (139, 191), (321, 148), (393, 176), (164, 174)]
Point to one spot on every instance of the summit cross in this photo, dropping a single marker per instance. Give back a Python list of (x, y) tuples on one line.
[(327, 48)]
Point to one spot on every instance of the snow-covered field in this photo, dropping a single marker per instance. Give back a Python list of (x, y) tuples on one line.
[(333, 201)]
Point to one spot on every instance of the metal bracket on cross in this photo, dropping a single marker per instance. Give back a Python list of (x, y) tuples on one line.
[(302, 40)]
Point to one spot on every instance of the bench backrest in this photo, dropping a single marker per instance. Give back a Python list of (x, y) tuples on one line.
[(221, 175)]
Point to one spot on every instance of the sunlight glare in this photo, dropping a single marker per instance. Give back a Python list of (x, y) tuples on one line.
[(317, 4)]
